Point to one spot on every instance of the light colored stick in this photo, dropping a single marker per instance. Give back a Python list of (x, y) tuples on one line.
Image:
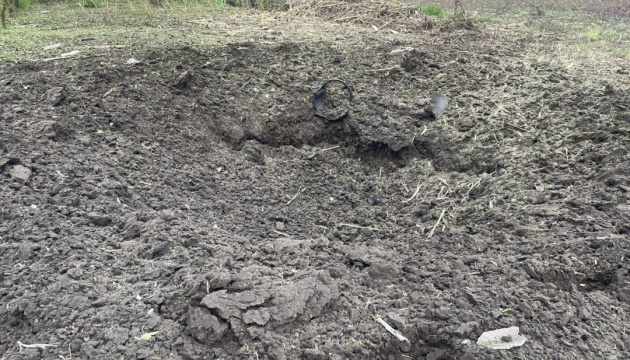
[(38, 346), (359, 227), (436, 224), (383, 69), (392, 331), (109, 92), (322, 150), (295, 196), (415, 193)]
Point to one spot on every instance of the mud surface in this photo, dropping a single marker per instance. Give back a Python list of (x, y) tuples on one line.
[(195, 195)]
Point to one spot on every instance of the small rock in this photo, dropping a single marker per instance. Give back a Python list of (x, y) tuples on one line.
[(21, 174), (279, 225), (374, 200), (99, 219)]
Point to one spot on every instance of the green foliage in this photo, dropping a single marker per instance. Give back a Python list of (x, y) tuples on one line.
[(435, 10), (91, 4), (594, 34), (25, 4)]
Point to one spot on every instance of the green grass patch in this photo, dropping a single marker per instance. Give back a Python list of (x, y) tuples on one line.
[(434, 10), (30, 30), (594, 34)]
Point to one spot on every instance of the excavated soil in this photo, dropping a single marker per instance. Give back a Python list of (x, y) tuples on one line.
[(195, 195)]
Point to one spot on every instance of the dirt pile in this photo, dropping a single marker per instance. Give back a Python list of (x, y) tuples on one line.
[(195, 195)]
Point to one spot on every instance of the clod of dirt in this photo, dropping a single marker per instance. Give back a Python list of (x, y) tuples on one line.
[(21, 174), (47, 128), (253, 152), (54, 96), (414, 60), (182, 80), (397, 321), (314, 354), (246, 314), (99, 219)]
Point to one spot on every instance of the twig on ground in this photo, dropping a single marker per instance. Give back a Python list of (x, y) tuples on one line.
[(415, 193), (281, 233), (516, 127), (359, 227), (37, 346), (383, 69), (109, 92), (391, 330), (436, 224), (322, 150), (295, 196), (246, 82)]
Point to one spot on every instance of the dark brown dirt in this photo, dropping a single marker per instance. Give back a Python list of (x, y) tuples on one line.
[(196, 195)]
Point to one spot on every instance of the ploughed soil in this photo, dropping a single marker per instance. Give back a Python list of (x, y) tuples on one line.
[(195, 197)]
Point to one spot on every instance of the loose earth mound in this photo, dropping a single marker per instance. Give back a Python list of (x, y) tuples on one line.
[(191, 206)]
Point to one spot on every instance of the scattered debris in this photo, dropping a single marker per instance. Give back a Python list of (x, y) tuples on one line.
[(52, 47), (320, 97), (109, 92), (359, 227), (438, 104), (436, 224), (296, 195), (392, 331), (147, 336), (36, 346), (64, 55), (501, 339), (322, 150)]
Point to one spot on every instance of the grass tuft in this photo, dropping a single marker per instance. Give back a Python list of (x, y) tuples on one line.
[(434, 10)]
